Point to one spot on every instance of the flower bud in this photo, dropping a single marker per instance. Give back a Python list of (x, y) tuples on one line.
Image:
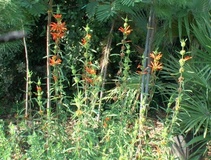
[(181, 62), (182, 52), (181, 70), (182, 43), (76, 79), (125, 25), (128, 51), (87, 29)]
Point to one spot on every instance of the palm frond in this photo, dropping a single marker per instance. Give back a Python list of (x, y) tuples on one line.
[(91, 8), (202, 31), (197, 144), (128, 2), (105, 11), (198, 76)]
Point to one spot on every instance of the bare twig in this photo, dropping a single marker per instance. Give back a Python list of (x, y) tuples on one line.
[(27, 78), (48, 56), (104, 66)]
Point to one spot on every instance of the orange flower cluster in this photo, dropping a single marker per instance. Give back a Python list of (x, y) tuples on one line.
[(90, 70), (90, 73), (55, 60), (139, 70), (105, 123), (155, 64), (58, 17), (57, 29), (125, 30), (86, 39)]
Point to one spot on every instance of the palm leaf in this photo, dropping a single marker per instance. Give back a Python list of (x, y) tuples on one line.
[(106, 11), (128, 2), (200, 76), (196, 104), (202, 31), (199, 142), (91, 8)]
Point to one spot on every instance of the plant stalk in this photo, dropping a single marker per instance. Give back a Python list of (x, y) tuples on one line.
[(48, 81)]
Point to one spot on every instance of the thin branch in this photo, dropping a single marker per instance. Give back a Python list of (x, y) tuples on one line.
[(104, 66), (48, 56), (27, 78)]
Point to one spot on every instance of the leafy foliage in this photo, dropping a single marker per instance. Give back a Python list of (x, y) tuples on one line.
[(16, 15), (33, 8), (114, 130)]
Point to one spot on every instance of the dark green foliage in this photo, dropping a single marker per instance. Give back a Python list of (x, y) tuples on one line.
[(15, 15), (33, 7)]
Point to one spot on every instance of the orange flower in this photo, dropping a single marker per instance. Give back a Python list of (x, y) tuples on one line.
[(141, 72), (105, 125), (57, 36), (83, 41), (89, 80), (88, 36), (155, 66), (126, 30), (187, 58), (139, 66), (55, 60), (86, 39), (156, 56), (90, 70), (107, 118), (39, 89), (57, 16), (58, 27)]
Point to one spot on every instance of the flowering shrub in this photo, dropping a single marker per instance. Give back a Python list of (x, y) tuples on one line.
[(99, 106)]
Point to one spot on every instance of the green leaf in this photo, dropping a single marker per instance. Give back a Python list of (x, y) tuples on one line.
[(128, 2), (105, 11), (91, 8)]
